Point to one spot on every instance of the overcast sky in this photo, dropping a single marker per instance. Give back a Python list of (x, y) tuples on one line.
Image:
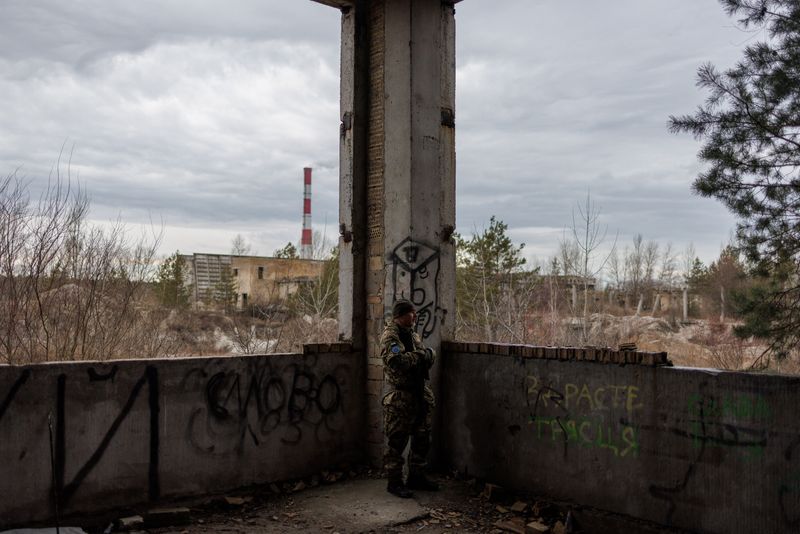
[(200, 115)]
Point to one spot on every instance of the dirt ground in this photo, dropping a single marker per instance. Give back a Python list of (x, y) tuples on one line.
[(357, 502)]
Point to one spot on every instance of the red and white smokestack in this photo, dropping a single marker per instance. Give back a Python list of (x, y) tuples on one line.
[(306, 247)]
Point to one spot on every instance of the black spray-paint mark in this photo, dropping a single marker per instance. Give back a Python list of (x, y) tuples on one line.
[(13, 391), (94, 376), (67, 491), (789, 513), (415, 277), (670, 493), (257, 403)]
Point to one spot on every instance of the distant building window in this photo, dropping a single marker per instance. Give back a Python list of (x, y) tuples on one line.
[(260, 273), (236, 272), (244, 300)]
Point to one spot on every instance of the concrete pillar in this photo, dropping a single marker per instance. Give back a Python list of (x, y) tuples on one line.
[(397, 177)]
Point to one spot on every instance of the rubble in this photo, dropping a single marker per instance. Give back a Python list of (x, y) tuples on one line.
[(128, 523), (167, 517), (536, 527), (519, 507), (515, 524)]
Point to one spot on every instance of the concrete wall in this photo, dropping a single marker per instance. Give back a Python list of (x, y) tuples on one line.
[(705, 450), (128, 432)]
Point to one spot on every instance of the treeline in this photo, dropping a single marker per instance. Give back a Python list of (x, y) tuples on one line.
[(501, 298), (70, 290)]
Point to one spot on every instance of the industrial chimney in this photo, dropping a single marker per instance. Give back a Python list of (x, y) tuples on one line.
[(306, 248)]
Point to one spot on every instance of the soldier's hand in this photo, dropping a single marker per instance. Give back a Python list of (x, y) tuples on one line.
[(430, 356)]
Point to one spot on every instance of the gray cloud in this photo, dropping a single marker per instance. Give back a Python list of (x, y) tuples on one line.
[(202, 114)]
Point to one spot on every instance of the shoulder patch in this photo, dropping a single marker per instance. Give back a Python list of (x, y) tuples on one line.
[(395, 348)]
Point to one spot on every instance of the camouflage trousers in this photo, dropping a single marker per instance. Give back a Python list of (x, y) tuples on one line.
[(407, 415)]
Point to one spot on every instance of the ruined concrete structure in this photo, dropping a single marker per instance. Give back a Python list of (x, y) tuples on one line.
[(397, 176), (261, 280), (704, 450)]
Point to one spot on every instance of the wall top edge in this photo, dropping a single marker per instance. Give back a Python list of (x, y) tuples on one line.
[(321, 349), (584, 354)]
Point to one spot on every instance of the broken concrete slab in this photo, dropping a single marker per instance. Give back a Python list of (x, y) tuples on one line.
[(128, 523), (364, 504), (519, 507), (536, 527), (516, 525)]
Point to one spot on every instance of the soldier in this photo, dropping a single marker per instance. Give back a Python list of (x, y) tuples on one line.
[(408, 407)]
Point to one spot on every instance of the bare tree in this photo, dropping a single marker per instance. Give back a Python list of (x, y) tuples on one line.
[(588, 235), (68, 290), (240, 246)]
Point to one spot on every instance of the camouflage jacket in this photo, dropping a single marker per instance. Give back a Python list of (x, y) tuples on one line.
[(404, 369)]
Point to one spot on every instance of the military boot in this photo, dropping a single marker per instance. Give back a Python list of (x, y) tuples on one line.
[(396, 487), (419, 481)]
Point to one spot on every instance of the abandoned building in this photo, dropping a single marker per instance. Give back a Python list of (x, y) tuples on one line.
[(698, 449), (256, 280)]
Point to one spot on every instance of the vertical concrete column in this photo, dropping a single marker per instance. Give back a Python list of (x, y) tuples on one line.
[(397, 198)]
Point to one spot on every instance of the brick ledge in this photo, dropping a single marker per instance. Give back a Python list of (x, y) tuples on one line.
[(582, 354)]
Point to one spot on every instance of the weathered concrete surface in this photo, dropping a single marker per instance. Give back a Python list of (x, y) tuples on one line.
[(363, 505), (127, 432), (704, 450), (397, 177)]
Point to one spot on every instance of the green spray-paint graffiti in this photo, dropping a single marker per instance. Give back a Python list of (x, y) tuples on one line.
[(734, 422), (583, 414), (621, 440)]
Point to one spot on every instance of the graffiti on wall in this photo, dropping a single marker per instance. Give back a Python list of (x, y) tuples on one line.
[(415, 277), (720, 428), (584, 415), (12, 392), (66, 490), (262, 402), (265, 403), (735, 422)]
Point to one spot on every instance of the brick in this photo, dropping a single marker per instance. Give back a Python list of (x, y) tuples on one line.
[(519, 507), (375, 372), (515, 524), (234, 501), (375, 387), (376, 263), (535, 527), (374, 299), (128, 523)]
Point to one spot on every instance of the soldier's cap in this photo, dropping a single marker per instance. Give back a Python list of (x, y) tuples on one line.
[(402, 307)]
